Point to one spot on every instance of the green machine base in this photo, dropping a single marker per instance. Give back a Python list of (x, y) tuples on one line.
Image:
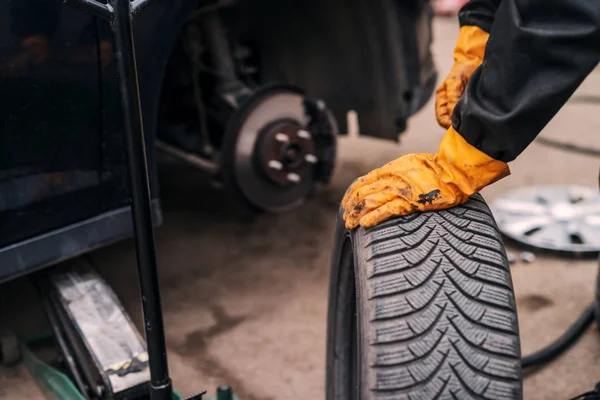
[(56, 385)]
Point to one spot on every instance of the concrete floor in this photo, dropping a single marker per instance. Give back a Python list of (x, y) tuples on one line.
[(245, 300)]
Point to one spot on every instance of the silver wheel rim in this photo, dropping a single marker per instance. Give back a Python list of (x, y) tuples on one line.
[(558, 218)]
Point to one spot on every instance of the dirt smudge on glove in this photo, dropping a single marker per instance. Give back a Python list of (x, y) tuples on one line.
[(359, 207), (428, 198)]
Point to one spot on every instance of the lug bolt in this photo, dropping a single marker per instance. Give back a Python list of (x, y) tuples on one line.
[(304, 134), (292, 177), (282, 137), (276, 165), (311, 158), (321, 105)]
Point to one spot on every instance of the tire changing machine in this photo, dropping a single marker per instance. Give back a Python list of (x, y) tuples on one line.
[(102, 355)]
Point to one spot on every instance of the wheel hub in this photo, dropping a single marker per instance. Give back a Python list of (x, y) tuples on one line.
[(276, 147), (558, 218), (285, 151)]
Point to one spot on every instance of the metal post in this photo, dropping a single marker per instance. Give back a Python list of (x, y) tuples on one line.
[(160, 383)]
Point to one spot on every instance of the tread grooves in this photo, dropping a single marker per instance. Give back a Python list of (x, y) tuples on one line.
[(415, 309), (413, 286), (477, 322), (400, 250), (417, 357), (477, 209), (475, 299), (479, 347), (467, 256), (475, 277), (421, 382), (478, 371), (395, 236), (418, 334), (466, 386), (484, 234), (441, 391), (467, 218), (389, 223), (483, 246), (393, 271), (478, 245)]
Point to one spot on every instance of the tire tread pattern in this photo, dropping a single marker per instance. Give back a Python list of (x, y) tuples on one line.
[(440, 314)]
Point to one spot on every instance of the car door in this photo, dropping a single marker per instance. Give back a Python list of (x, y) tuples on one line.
[(50, 113), (62, 171)]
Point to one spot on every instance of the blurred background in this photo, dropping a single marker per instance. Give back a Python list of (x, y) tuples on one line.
[(245, 299)]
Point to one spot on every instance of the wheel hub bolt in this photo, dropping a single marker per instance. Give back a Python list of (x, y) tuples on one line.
[(304, 134), (292, 177), (311, 158), (282, 137), (276, 165)]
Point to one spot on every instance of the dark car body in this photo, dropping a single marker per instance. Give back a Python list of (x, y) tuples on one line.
[(63, 180)]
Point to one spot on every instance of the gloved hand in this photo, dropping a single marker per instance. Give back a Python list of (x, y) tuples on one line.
[(468, 56), (421, 182)]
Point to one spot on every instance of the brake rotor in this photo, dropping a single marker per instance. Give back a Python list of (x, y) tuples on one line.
[(270, 153), (563, 219)]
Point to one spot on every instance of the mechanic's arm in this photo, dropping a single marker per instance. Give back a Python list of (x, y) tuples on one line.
[(538, 53), (479, 13), (475, 19)]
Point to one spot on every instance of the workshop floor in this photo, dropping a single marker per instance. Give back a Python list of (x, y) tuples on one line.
[(245, 301)]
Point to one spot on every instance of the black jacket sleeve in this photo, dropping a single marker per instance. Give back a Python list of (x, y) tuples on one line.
[(478, 13), (538, 53)]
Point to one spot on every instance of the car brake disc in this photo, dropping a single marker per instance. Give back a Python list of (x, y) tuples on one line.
[(563, 219), (274, 149)]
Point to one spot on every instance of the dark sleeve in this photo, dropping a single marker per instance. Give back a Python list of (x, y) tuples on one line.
[(478, 13), (538, 53)]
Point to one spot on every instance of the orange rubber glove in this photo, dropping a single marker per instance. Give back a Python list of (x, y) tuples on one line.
[(421, 182), (468, 56)]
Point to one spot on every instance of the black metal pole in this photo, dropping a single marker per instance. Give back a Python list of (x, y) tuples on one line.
[(160, 383)]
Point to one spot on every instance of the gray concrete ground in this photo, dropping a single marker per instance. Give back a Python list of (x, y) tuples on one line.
[(245, 301)]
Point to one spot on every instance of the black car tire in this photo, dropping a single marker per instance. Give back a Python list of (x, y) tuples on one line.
[(423, 307)]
